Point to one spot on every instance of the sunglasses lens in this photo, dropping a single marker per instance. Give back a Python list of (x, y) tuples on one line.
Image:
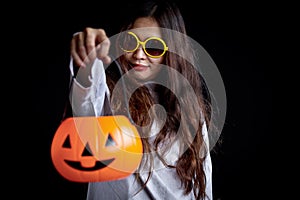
[(154, 47), (129, 42)]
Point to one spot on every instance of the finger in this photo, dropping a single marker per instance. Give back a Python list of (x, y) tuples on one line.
[(74, 52), (103, 51), (91, 43), (106, 60), (78, 50), (81, 48)]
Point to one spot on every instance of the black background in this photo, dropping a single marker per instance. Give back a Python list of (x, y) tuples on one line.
[(237, 36)]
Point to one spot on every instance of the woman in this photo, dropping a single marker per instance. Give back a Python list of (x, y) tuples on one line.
[(166, 102)]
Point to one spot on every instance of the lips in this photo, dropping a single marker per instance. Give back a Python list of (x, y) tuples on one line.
[(139, 67)]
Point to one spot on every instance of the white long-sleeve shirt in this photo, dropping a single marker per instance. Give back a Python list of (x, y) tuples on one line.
[(87, 98)]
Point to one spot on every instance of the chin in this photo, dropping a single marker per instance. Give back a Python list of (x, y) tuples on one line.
[(142, 77)]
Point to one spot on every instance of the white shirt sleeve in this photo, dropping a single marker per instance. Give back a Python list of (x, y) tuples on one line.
[(88, 90)]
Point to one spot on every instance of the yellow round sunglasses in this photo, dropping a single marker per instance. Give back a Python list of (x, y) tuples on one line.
[(153, 47)]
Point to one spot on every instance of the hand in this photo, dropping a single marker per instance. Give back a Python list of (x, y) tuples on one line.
[(88, 45)]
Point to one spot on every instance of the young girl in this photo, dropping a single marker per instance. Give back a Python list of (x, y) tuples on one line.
[(166, 102)]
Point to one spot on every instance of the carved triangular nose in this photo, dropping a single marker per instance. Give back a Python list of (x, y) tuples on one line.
[(87, 150)]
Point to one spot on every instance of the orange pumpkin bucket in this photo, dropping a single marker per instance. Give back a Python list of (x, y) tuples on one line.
[(90, 149)]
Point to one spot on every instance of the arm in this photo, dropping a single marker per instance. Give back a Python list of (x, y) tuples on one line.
[(89, 49)]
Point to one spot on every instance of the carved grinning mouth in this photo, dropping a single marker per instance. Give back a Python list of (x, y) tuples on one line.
[(97, 166)]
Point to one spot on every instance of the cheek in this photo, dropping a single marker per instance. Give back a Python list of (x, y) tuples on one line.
[(156, 64), (156, 61), (156, 68)]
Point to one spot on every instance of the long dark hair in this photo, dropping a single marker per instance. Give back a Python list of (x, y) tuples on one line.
[(185, 125)]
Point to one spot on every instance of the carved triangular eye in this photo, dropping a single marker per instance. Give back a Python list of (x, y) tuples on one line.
[(67, 143), (87, 150), (110, 141)]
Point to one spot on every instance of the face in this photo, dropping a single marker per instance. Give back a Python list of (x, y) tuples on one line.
[(142, 67)]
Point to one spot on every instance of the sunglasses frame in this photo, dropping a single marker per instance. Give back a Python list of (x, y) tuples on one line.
[(143, 43)]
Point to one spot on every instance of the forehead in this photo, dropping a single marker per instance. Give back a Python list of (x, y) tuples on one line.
[(146, 27)]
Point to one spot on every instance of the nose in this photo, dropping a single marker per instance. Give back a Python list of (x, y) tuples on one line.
[(139, 53)]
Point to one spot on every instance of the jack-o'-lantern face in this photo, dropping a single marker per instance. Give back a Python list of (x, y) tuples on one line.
[(89, 149)]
